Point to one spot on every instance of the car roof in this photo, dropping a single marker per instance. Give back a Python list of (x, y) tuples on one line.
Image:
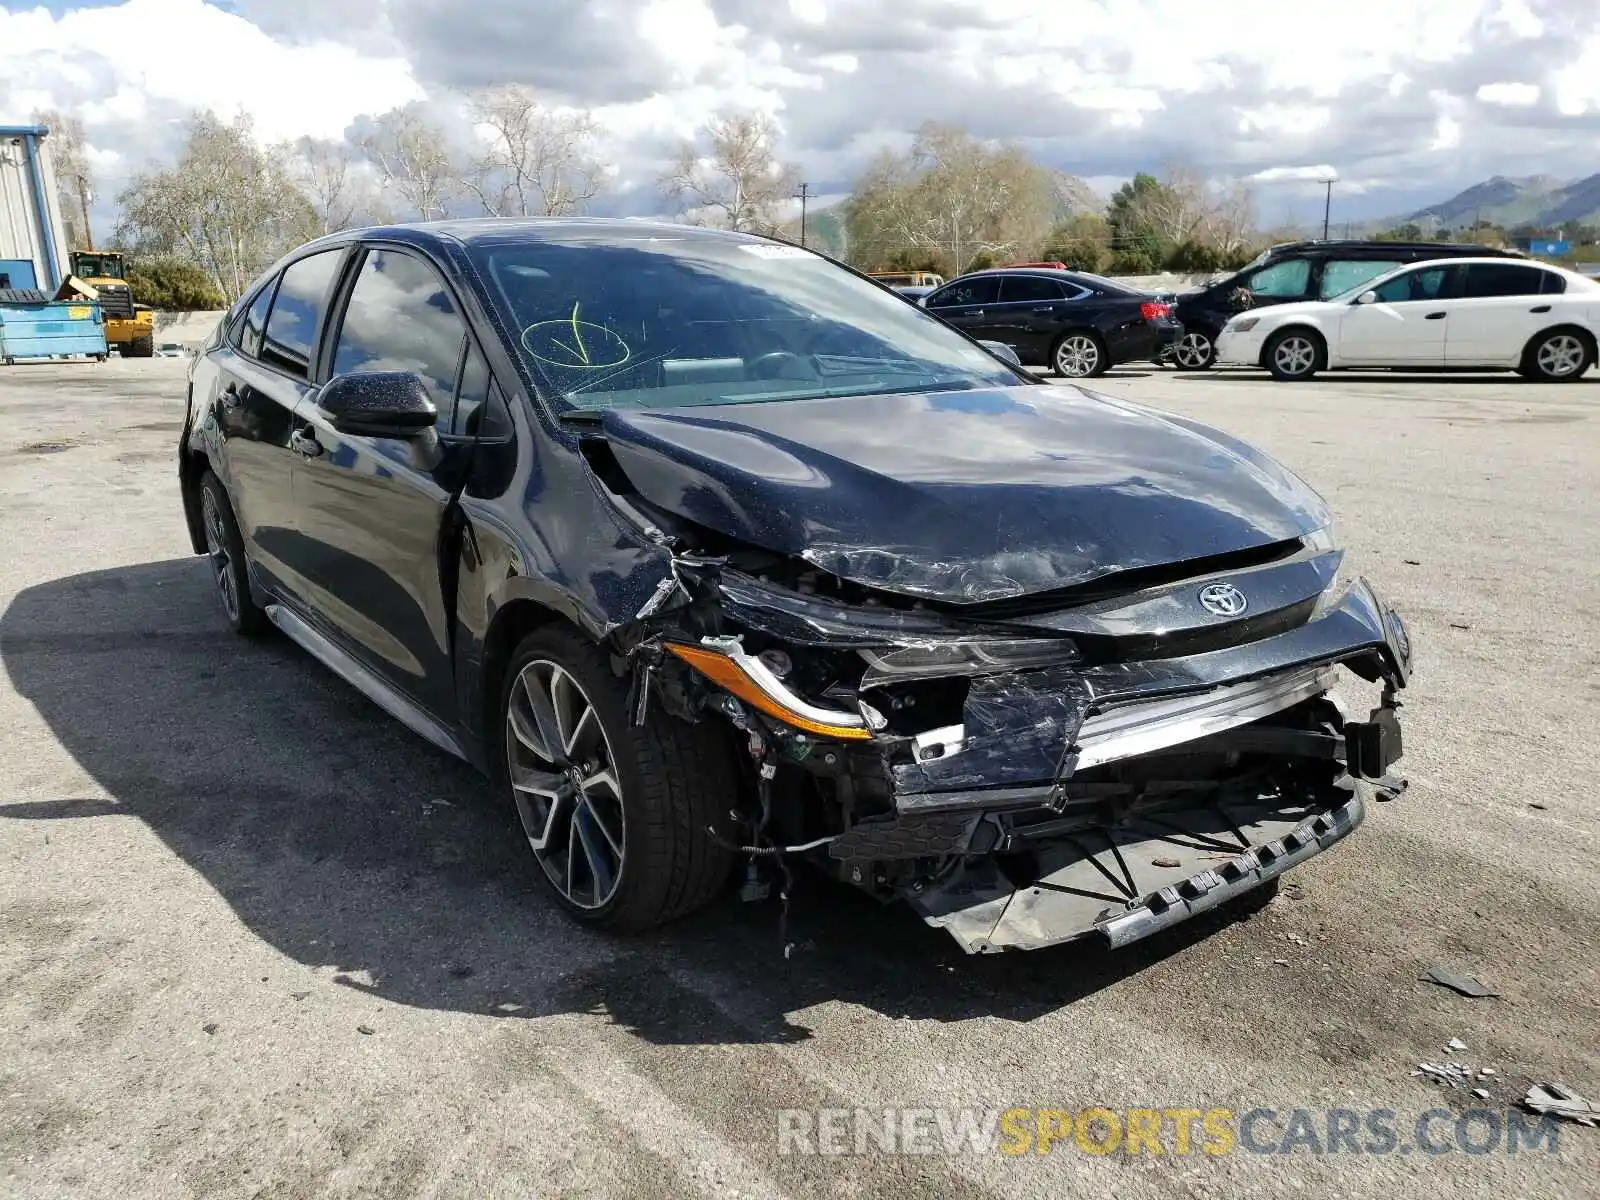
[(1083, 279), (1375, 246)]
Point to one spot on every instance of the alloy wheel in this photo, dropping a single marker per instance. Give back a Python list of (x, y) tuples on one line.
[(217, 551), (1193, 351), (1078, 355), (1560, 356), (565, 782), (1295, 355)]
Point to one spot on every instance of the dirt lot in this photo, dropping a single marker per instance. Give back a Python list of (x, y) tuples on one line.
[(258, 940)]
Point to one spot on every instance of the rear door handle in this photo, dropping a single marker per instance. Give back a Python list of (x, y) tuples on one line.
[(1045, 308), (305, 443), (1540, 308), (1435, 317), (976, 312)]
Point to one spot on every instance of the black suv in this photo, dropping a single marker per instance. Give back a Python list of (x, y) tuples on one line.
[(1291, 271)]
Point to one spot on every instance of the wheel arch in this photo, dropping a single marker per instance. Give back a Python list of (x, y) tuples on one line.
[(1581, 332), (1278, 334), (512, 622), (192, 467)]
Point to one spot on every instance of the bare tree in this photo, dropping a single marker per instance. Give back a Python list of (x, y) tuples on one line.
[(1232, 218), (226, 205), (413, 157), (336, 181), (74, 178), (952, 195), (535, 161), (731, 175)]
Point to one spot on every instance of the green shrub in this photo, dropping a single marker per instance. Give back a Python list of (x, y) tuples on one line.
[(172, 285)]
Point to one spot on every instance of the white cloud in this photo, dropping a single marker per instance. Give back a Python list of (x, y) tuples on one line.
[(1442, 95), (117, 63), (1315, 174)]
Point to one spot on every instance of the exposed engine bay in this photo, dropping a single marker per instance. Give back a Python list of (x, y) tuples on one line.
[(1021, 765)]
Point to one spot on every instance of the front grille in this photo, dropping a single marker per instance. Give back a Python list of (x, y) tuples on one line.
[(115, 300)]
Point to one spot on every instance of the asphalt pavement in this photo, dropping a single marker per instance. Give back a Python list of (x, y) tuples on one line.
[(257, 940)]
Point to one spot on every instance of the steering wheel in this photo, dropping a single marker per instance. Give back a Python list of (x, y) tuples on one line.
[(771, 364)]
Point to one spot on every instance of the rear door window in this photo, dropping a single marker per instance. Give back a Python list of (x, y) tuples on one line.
[(1554, 285), (1340, 275), (966, 291), (1286, 280), (1023, 289), (1502, 279), (248, 332), (297, 310)]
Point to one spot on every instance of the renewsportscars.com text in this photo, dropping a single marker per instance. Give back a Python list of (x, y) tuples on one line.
[(1180, 1131)]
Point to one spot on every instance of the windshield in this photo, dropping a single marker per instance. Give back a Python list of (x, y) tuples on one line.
[(98, 266), (661, 320)]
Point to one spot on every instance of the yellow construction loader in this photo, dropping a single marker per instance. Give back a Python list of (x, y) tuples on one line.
[(130, 327)]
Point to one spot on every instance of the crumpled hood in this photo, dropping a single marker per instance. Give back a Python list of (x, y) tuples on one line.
[(963, 496)]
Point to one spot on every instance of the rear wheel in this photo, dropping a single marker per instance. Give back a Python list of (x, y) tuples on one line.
[(141, 347), (1195, 351), (225, 552), (1559, 356), (618, 816), (1294, 354), (1080, 355)]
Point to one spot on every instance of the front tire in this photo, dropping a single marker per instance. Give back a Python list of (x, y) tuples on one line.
[(1080, 355), (225, 552), (1196, 351), (1558, 356), (618, 816), (1294, 355)]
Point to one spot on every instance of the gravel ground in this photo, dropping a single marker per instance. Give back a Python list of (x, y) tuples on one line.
[(258, 940)]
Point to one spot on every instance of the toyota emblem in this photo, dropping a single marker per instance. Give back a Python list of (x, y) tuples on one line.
[(1223, 599)]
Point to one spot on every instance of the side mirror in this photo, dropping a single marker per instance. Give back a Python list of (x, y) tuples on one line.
[(1367, 297), (385, 404), (1002, 351)]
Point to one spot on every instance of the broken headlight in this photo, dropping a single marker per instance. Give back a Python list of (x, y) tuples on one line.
[(970, 656), (1324, 541)]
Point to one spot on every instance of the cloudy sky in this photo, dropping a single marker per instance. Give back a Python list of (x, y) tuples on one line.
[(1408, 100)]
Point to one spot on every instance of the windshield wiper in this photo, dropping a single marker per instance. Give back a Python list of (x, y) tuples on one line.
[(842, 393)]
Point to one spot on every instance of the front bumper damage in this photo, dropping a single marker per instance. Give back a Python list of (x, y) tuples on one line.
[(1018, 802)]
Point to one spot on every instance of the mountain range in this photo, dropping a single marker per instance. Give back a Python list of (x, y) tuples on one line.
[(1538, 200)]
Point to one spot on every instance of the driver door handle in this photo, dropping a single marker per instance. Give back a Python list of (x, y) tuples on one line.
[(1540, 308), (304, 442), (1435, 316)]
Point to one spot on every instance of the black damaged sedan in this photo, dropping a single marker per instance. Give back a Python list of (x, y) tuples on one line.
[(708, 551)]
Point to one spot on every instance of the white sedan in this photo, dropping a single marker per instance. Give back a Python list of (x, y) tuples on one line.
[(1497, 313)]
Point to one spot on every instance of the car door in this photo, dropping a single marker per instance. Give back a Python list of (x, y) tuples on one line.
[(259, 382), (1030, 312), (369, 508), (965, 303), (1500, 308), (1406, 325)]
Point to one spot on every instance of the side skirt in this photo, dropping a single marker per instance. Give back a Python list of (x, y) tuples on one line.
[(363, 680)]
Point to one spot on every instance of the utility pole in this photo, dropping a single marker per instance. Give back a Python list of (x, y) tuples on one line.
[(805, 188), (1327, 206), (83, 198)]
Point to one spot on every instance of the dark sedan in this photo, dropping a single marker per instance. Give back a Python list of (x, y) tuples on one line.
[(1077, 324), (708, 551)]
